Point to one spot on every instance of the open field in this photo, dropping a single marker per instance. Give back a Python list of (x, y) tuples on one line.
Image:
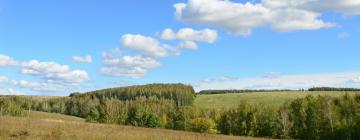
[(55, 126), (52, 116), (268, 98)]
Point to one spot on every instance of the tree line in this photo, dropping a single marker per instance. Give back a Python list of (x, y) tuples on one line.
[(310, 118), (332, 89), (202, 92)]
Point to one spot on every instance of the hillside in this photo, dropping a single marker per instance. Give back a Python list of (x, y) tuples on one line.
[(254, 114), (61, 127), (275, 99)]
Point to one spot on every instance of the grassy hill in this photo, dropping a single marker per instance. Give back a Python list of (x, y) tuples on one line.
[(268, 98), (52, 116), (40, 125)]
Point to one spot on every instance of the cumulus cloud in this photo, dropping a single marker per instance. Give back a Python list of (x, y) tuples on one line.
[(83, 59), (128, 66), (188, 45), (188, 34), (54, 71), (138, 53), (6, 61), (280, 15), (218, 79), (346, 7), (285, 82), (143, 44), (48, 86), (9, 91), (54, 77)]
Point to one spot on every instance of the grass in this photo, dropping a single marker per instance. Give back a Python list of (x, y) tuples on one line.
[(54, 128), (275, 99), (52, 116)]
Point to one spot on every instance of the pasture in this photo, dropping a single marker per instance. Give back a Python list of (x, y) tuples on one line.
[(275, 99), (48, 126)]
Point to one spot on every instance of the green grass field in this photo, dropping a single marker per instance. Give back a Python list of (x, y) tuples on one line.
[(51, 126), (275, 99)]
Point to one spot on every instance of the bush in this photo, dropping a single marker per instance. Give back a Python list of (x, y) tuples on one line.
[(202, 125), (93, 115)]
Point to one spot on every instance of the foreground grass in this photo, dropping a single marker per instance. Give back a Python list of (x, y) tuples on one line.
[(275, 99), (60, 127)]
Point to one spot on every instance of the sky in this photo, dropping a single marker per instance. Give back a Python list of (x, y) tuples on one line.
[(59, 47)]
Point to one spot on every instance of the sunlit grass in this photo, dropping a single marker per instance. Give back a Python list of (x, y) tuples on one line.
[(55, 128), (275, 99)]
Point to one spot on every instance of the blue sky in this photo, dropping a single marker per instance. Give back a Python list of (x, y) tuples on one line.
[(210, 44)]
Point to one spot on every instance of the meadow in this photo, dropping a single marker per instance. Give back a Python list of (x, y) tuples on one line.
[(275, 99), (52, 126)]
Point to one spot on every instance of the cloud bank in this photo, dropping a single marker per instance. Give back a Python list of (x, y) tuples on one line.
[(283, 81), (280, 15), (53, 76)]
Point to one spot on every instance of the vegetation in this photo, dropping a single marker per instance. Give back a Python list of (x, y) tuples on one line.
[(182, 94), (203, 92), (333, 89), (287, 115), (315, 118), (239, 91), (48, 129), (10, 107), (276, 99), (52, 116)]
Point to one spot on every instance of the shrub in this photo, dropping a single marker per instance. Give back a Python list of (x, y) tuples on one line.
[(93, 115), (202, 125)]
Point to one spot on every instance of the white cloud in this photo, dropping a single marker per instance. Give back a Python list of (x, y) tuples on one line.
[(188, 34), (291, 19), (188, 45), (54, 77), (83, 59), (9, 91), (40, 86), (218, 79), (280, 15), (346, 7), (145, 45), (3, 79), (236, 18), (285, 82), (127, 66), (6, 61), (54, 71), (138, 54)]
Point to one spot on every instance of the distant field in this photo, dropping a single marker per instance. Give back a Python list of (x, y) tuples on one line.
[(268, 98), (60, 127)]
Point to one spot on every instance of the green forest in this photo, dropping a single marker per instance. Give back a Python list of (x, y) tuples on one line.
[(170, 106)]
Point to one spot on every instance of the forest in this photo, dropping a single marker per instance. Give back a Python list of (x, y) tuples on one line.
[(170, 106)]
